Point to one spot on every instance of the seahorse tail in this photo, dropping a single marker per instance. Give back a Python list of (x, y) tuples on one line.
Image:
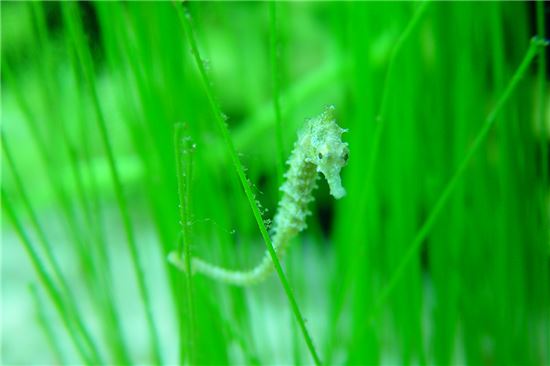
[(237, 278)]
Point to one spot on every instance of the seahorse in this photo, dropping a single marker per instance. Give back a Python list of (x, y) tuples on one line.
[(318, 149)]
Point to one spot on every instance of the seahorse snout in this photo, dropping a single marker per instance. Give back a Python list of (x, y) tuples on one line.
[(331, 173)]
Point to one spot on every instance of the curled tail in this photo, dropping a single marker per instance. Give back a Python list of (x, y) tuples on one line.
[(233, 277)]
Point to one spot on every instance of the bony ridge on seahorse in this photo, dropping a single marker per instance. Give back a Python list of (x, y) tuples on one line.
[(318, 149)]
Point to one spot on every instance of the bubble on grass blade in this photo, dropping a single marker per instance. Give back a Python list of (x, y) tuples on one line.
[(318, 149)]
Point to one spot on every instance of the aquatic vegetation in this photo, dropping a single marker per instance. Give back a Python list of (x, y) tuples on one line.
[(137, 131)]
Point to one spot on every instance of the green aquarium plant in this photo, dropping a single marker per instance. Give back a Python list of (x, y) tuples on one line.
[(146, 144)]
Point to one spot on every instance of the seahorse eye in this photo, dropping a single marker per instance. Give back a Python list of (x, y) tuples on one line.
[(320, 156)]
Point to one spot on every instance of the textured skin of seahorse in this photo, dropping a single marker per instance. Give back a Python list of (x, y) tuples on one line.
[(318, 149)]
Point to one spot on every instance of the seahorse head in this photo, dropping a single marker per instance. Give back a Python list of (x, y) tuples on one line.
[(327, 150)]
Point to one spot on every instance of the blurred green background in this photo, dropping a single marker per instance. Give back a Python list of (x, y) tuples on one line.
[(439, 253)]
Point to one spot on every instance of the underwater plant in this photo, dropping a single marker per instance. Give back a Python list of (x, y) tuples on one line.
[(437, 255)]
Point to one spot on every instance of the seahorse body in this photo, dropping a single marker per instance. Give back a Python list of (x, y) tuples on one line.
[(319, 148)]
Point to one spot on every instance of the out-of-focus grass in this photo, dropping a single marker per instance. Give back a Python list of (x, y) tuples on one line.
[(413, 266)]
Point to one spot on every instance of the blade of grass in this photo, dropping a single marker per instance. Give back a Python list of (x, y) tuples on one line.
[(184, 154), (49, 283), (73, 22), (545, 136), (411, 26), (124, 52), (47, 248), (536, 46), (184, 16), (71, 224), (542, 93), (101, 278), (275, 61), (350, 272), (541, 72), (122, 49), (48, 327), (98, 239)]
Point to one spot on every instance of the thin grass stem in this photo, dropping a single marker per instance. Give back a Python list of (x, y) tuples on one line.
[(536, 46), (184, 154), (74, 25), (61, 194), (58, 275), (48, 328), (541, 94), (373, 155), (275, 80), (184, 16), (88, 356), (102, 276)]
